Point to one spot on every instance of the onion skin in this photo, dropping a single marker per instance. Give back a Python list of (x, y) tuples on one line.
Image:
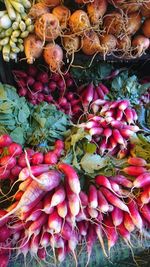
[(38, 10), (51, 3), (33, 48), (146, 28), (79, 22), (113, 23), (134, 23), (130, 6)]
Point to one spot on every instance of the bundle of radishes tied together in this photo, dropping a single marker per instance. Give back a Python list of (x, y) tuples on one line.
[(111, 124), (51, 211)]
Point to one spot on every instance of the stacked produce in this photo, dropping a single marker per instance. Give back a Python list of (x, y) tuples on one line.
[(53, 212), (98, 27), (15, 25)]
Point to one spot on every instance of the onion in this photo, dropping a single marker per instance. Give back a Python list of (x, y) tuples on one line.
[(129, 6), (71, 43), (146, 27), (96, 10), (63, 15)]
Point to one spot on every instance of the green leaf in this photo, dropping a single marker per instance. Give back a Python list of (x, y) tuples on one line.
[(18, 135), (93, 162), (3, 94)]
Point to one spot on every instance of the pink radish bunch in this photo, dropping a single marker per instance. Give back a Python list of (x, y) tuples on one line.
[(54, 213), (38, 86), (13, 160), (111, 126)]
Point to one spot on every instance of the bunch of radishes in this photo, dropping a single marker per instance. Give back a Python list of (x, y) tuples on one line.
[(54, 213), (111, 126), (13, 159)]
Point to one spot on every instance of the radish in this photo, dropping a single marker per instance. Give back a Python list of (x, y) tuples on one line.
[(134, 170), (8, 162), (44, 241), (41, 253), (84, 199), (36, 170), (145, 196), (87, 96), (83, 227), (142, 180), (118, 137), (124, 232), (145, 211), (73, 202), (129, 115), (5, 140), (93, 198), (36, 225), (16, 170), (5, 233), (117, 216), (128, 223), (95, 131), (37, 158), (119, 115), (18, 195), (14, 149), (59, 146), (100, 92), (103, 205), (92, 212), (99, 233), (126, 133), (34, 244), (103, 181), (111, 233), (123, 104), (122, 180), (137, 161), (47, 203), (35, 212), (54, 222), (4, 173), (58, 197), (104, 88), (62, 209), (71, 177), (50, 158), (4, 260), (135, 215), (114, 200), (66, 231), (3, 221), (90, 241), (107, 133)]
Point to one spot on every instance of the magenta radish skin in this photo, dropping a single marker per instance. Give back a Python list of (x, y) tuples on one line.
[(145, 196), (111, 233), (93, 198), (34, 244), (145, 211), (58, 197), (71, 177), (3, 221), (123, 104), (117, 216), (118, 137), (36, 225), (122, 180), (47, 203), (128, 223), (104, 88), (126, 133), (16, 170), (37, 158), (50, 158), (119, 115), (8, 161), (100, 92), (41, 253), (84, 198), (123, 232), (14, 149), (73, 203), (135, 161), (54, 222), (90, 241), (5, 140), (5, 233), (107, 133), (142, 180), (134, 170), (103, 205), (87, 96), (4, 173), (95, 131), (35, 212), (4, 260), (103, 181), (49, 180), (44, 241), (62, 209), (36, 171), (135, 215), (114, 200), (129, 115), (99, 233)]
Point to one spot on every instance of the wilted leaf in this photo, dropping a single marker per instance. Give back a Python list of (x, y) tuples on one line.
[(92, 162)]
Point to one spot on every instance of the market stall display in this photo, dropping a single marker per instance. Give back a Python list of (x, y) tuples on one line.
[(74, 133)]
